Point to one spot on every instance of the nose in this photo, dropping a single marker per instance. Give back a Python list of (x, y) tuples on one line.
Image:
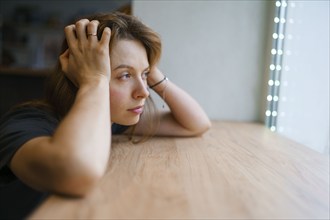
[(141, 89)]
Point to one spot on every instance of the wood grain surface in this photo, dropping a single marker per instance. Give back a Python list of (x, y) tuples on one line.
[(235, 170)]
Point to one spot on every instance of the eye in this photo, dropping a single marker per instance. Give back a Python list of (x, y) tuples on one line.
[(145, 75), (125, 76)]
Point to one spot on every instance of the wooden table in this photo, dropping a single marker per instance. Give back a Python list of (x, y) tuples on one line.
[(235, 170)]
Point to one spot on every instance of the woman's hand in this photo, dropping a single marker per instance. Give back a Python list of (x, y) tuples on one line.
[(155, 76), (185, 118), (87, 58)]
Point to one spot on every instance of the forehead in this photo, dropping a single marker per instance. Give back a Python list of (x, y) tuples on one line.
[(129, 52)]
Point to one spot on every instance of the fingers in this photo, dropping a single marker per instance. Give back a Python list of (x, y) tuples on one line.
[(91, 30), (76, 32), (81, 29), (105, 39), (84, 33), (86, 30), (70, 35), (86, 55)]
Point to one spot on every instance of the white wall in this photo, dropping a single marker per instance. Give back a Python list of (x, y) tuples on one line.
[(304, 92), (216, 50)]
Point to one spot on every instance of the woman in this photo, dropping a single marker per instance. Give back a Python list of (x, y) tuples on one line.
[(62, 145)]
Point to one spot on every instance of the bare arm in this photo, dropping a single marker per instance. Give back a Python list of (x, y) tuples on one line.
[(75, 157), (185, 118)]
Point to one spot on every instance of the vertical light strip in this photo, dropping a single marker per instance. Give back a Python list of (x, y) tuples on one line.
[(275, 67)]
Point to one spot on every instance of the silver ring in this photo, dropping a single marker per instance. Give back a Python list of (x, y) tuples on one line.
[(91, 34)]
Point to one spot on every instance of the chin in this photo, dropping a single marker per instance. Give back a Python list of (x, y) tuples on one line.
[(127, 121)]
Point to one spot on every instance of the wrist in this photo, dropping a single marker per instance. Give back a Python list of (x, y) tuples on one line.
[(155, 76), (96, 82), (159, 82)]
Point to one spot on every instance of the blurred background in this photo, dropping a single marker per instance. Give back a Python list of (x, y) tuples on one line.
[(248, 61)]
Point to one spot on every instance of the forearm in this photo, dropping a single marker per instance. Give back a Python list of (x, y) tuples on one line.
[(184, 109), (75, 157), (85, 133)]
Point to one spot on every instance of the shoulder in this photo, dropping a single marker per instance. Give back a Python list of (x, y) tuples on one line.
[(20, 125), (29, 108), (26, 116)]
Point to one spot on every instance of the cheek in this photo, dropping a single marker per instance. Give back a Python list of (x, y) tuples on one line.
[(117, 99)]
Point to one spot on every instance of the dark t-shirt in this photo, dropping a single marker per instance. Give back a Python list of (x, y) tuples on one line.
[(17, 200)]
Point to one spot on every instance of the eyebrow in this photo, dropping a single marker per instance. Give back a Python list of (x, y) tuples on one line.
[(124, 66)]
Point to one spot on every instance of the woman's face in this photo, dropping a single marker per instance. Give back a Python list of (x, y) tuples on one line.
[(128, 84)]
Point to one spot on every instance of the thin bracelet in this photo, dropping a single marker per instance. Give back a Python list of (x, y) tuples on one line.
[(156, 84)]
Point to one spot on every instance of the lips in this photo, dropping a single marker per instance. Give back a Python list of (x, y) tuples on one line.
[(137, 109)]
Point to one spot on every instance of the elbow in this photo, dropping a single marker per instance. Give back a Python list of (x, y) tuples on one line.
[(77, 179), (205, 127), (79, 185), (202, 128)]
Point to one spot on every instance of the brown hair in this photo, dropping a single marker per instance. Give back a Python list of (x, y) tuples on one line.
[(61, 92)]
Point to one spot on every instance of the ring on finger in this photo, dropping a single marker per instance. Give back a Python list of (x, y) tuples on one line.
[(91, 34)]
